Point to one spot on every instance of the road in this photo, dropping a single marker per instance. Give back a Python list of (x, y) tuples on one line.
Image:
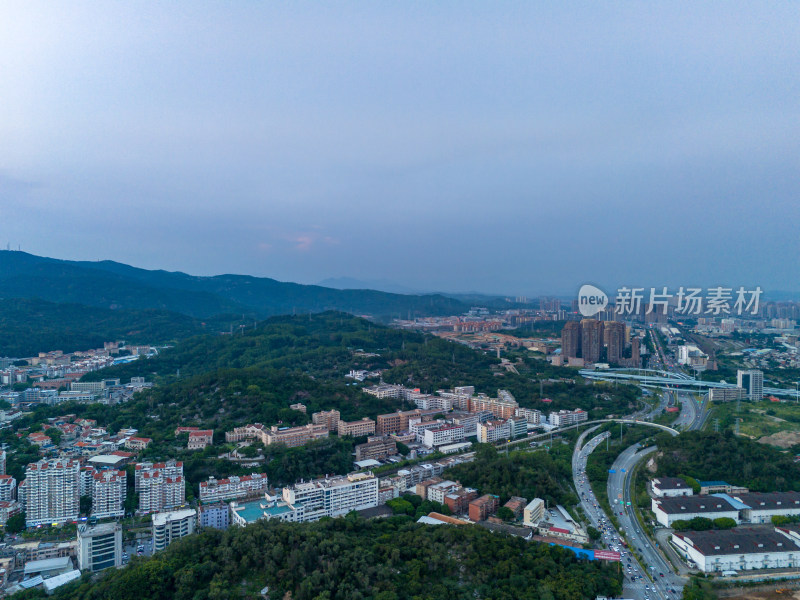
[(635, 584), (619, 494)]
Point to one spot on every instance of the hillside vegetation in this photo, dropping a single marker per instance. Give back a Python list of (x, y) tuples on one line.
[(352, 559), (723, 456), (110, 284), (30, 326)]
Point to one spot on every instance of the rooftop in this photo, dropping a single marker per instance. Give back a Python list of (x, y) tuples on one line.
[(670, 483), (740, 540), (694, 504)]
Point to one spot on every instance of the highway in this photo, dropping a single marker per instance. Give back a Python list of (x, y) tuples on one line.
[(635, 584), (666, 584)]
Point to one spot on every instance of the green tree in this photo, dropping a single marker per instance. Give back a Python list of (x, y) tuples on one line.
[(16, 523), (505, 513), (724, 523)]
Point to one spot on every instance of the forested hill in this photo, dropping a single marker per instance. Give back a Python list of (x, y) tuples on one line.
[(352, 559), (725, 456), (110, 284), (257, 373), (29, 326)]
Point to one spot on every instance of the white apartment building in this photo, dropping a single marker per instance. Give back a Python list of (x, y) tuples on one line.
[(8, 488), (217, 490), (109, 493), (418, 427), (532, 415), (99, 547), (334, 496), (564, 418), (160, 486), (87, 481), (52, 492), (443, 435), (494, 431), (170, 526)]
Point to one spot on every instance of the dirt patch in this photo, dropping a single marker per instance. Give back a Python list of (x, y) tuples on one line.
[(782, 439), (768, 595)]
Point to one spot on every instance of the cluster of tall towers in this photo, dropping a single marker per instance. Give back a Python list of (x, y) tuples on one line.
[(588, 338)]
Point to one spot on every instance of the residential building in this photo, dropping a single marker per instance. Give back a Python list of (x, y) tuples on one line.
[(614, 340), (517, 505), (752, 382), (329, 418), (571, 340), (52, 488), (458, 500), (470, 420), (160, 486), (518, 427), (8, 508), (494, 431), (443, 435), (109, 493), (683, 508), (482, 508), (533, 512), (99, 546), (499, 407), (564, 418), (247, 432), (200, 439), (299, 406), (385, 391), (170, 526), (270, 508), (215, 515), (365, 426), (377, 448), (2, 462), (438, 491), (737, 549), (137, 443), (531, 415), (726, 394), (246, 486), (334, 496), (8, 488), (663, 487), (591, 340), (294, 436)]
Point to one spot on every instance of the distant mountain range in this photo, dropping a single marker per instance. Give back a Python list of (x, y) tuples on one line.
[(109, 284)]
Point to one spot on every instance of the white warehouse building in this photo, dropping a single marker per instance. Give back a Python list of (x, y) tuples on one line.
[(738, 549), (682, 508)]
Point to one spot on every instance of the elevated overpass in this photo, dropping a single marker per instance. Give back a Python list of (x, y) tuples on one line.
[(670, 380)]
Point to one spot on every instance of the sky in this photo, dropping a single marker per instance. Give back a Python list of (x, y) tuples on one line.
[(499, 147)]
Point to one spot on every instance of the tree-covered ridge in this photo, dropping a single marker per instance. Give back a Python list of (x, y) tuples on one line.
[(327, 345), (352, 559), (724, 456), (30, 326), (545, 475), (109, 284), (322, 345)]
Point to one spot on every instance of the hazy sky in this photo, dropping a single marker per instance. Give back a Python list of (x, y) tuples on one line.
[(500, 147)]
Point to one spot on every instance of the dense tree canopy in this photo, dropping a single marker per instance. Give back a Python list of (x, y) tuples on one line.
[(724, 456), (350, 558), (527, 474)]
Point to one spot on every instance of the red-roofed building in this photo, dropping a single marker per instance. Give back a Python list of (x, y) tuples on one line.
[(200, 439)]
